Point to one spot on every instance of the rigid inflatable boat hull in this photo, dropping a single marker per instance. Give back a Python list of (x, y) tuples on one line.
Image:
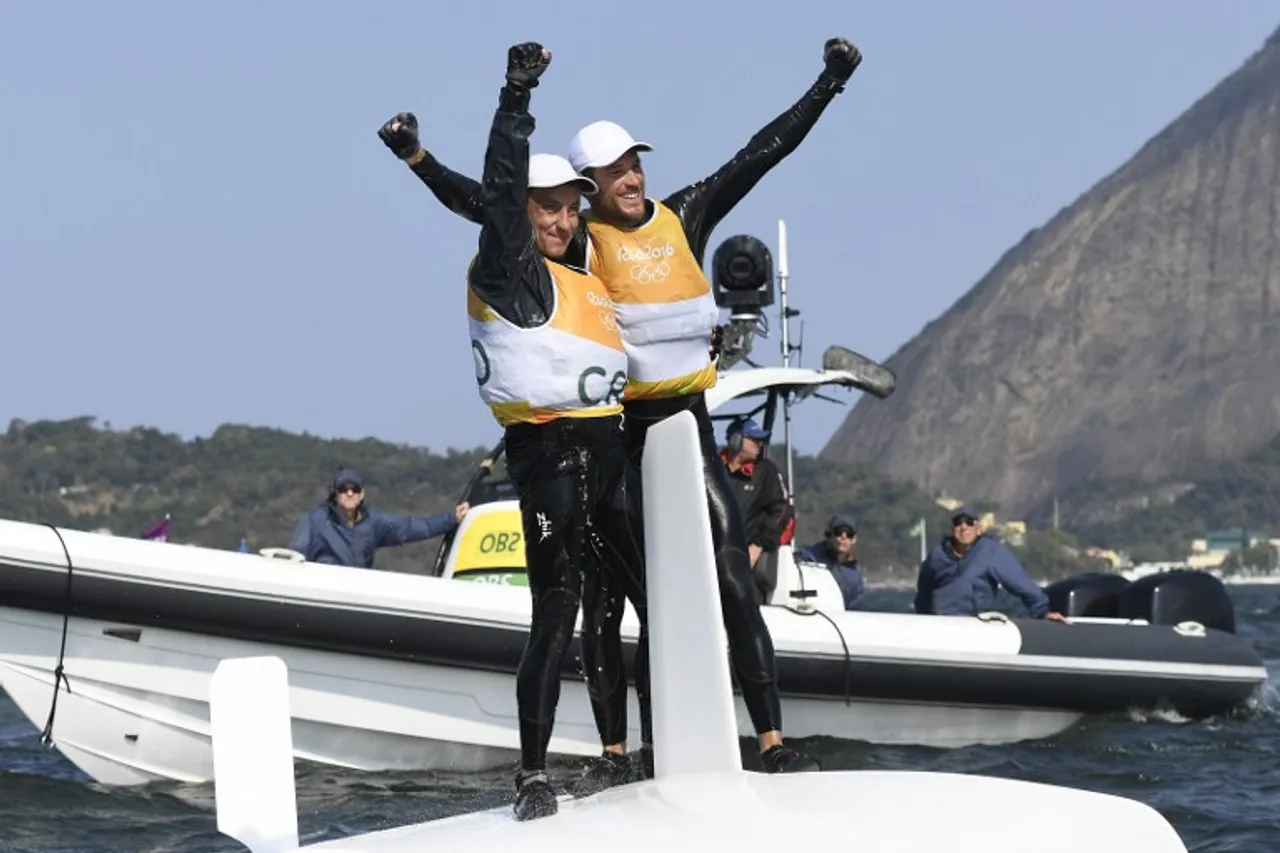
[(395, 671)]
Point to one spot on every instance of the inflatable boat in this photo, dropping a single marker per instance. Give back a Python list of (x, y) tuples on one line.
[(400, 671)]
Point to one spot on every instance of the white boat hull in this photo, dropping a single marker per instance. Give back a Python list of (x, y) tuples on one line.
[(392, 671), (138, 712)]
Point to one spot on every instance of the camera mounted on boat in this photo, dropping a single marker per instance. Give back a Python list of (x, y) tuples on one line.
[(742, 281)]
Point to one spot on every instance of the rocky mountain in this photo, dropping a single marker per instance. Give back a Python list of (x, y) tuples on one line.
[(1135, 336)]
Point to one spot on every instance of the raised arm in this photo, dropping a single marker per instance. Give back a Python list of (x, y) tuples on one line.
[(459, 193), (454, 190), (509, 273), (703, 205)]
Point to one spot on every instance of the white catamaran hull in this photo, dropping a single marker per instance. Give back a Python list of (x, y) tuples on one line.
[(699, 791)]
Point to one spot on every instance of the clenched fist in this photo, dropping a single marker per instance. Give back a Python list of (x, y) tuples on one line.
[(525, 64), (841, 57), (400, 134)]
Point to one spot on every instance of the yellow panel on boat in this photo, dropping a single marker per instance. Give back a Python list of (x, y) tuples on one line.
[(493, 540)]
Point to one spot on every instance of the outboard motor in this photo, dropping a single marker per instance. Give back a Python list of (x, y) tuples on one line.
[(1089, 594), (1168, 598)]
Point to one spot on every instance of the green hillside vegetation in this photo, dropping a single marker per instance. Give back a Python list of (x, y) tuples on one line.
[(1241, 494), (256, 483), (239, 482)]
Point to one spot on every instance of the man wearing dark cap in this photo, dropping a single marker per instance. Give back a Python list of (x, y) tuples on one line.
[(835, 551), (963, 572), (343, 531), (761, 494)]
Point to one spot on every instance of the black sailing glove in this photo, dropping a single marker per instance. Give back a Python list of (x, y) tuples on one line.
[(525, 64), (400, 134), (841, 58)]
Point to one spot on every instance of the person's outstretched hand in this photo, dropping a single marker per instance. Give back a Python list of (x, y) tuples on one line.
[(841, 58), (525, 64), (400, 134)]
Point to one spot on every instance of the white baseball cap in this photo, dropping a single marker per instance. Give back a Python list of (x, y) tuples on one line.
[(552, 170), (600, 143)]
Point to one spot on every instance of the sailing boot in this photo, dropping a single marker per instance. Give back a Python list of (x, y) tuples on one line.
[(645, 770), (534, 797), (605, 771), (780, 758)]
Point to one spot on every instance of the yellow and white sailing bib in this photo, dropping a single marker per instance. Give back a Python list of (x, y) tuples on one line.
[(666, 310), (574, 365)]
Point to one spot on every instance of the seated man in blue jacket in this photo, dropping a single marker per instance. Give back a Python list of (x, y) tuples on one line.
[(342, 531), (962, 573), (836, 553)]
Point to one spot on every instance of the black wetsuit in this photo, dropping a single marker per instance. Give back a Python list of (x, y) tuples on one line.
[(700, 208), (571, 473)]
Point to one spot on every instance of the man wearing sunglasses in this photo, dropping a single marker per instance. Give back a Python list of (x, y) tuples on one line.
[(835, 551), (343, 531), (963, 572)]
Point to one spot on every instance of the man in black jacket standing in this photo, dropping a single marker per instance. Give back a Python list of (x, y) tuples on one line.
[(762, 497)]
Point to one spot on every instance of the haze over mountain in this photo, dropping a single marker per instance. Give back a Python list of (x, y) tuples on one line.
[(1135, 335)]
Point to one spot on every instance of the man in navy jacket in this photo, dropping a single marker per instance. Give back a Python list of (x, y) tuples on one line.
[(343, 531), (836, 552), (962, 573)]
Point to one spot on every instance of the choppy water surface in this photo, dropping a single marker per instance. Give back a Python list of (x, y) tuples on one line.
[(1217, 781)]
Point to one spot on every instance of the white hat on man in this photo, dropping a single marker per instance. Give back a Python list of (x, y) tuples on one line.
[(600, 143), (552, 170)]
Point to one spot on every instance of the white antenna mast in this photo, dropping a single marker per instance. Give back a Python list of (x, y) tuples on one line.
[(786, 349)]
